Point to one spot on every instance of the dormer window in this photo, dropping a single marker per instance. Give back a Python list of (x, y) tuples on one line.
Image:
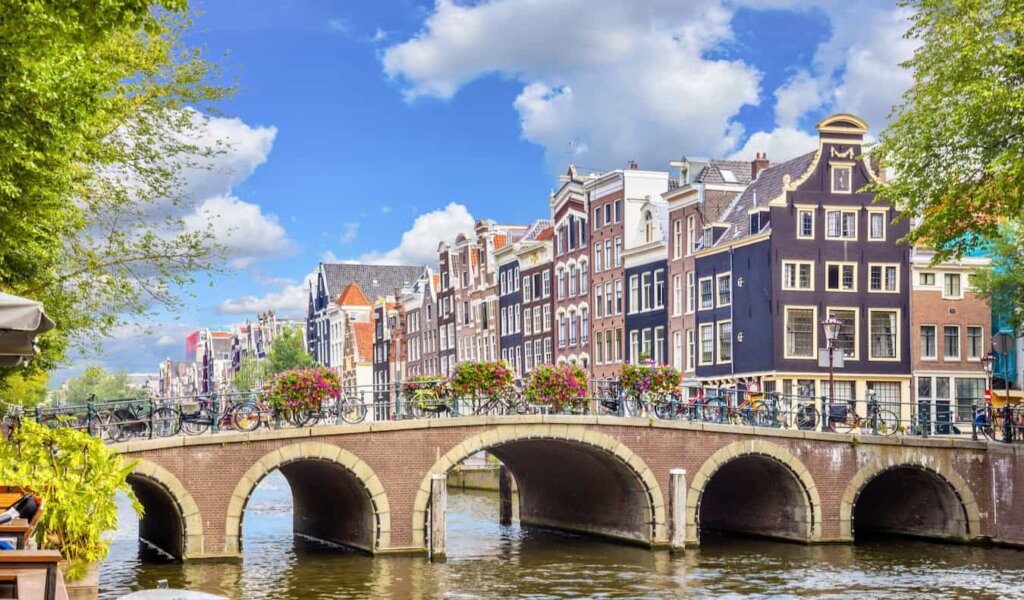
[(842, 176)]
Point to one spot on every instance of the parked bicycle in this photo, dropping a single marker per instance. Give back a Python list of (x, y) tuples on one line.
[(843, 418)]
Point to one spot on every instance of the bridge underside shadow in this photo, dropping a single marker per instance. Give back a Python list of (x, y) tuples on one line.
[(755, 496), (161, 524), (910, 501), (580, 488), (330, 503)]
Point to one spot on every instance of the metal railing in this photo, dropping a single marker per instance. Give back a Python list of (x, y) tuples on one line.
[(145, 418)]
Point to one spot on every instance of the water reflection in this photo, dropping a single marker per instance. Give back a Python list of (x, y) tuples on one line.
[(487, 560)]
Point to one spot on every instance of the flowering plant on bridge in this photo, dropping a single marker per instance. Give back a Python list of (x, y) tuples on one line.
[(648, 379), (303, 388), (560, 387), (483, 379), (77, 477)]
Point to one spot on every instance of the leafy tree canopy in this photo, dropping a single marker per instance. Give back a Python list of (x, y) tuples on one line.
[(956, 140), (101, 105), (99, 382), (287, 352), (27, 388)]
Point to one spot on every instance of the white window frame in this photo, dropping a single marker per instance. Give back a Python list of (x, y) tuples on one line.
[(691, 292), (856, 328), (814, 332), (796, 266), (883, 266), (702, 327), (691, 234), (700, 293), (840, 265), (842, 211), (718, 341), (960, 286), (935, 338), (691, 349), (835, 168), (882, 214), (718, 289), (799, 223), (898, 341), (959, 343)]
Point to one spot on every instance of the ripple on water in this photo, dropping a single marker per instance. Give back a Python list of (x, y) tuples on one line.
[(488, 561)]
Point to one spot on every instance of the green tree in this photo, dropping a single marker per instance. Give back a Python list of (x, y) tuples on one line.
[(287, 352), (101, 109), (956, 140), (250, 375), (96, 381), (1003, 284), (26, 388)]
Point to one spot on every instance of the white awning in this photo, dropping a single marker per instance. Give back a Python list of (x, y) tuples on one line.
[(21, 320)]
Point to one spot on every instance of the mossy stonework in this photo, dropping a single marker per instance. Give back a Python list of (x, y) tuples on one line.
[(809, 487)]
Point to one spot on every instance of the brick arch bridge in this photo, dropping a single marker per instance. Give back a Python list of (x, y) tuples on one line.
[(368, 486)]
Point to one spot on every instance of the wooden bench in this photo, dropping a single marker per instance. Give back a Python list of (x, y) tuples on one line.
[(20, 528), (31, 575)]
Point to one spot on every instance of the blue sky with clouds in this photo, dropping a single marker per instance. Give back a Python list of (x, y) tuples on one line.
[(367, 130)]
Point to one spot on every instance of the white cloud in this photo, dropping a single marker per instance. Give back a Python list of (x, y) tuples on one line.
[(339, 25), (780, 145), (166, 340), (134, 347), (604, 82), (379, 36), (799, 95), (290, 301), (418, 245), (350, 232), (243, 229)]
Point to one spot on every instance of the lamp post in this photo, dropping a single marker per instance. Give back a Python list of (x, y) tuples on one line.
[(831, 325), (988, 362)]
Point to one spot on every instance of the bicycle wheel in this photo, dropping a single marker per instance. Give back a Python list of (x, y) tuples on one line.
[(522, 407), (983, 421), (166, 422), (353, 410), (714, 410), (100, 426), (759, 415), (807, 417), (196, 423), (843, 425), (663, 410), (117, 431), (887, 422), (634, 406), (299, 417), (245, 417)]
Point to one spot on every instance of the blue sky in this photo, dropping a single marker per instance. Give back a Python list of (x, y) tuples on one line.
[(369, 130)]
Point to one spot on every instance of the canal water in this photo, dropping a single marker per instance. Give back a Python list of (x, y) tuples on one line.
[(490, 561)]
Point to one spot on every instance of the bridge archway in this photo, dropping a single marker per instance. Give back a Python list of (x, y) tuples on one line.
[(754, 488), (171, 520), (909, 497), (336, 497), (569, 477)]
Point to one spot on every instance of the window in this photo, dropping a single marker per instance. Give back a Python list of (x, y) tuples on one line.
[(691, 349), (561, 284), (598, 301), (707, 297), (608, 300), (691, 234), (648, 227), (618, 251), (691, 292), (608, 213), (584, 283), (527, 321), (547, 351), (597, 221), (841, 176), (562, 330), (572, 280), (847, 341), (975, 335), (598, 347), (876, 226), (659, 288), (725, 342), (528, 355), (841, 277), (547, 317), (618, 297), (608, 347), (677, 295), (677, 350), (677, 238), (841, 225), (537, 326), (951, 286), (797, 275), (584, 325), (645, 291), (634, 291), (883, 333), (598, 258), (618, 211), (573, 331), (634, 346), (645, 343), (707, 344), (927, 341), (951, 342), (724, 289), (526, 289), (926, 279), (883, 278), (800, 332), (805, 224)]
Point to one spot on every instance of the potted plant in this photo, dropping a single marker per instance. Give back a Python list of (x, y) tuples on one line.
[(646, 382), (562, 387), (298, 392), (77, 477), (484, 379)]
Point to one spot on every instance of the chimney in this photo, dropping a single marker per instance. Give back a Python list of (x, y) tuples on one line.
[(760, 163), (633, 166)]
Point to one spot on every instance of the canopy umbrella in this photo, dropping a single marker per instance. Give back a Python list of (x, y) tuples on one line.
[(21, 320)]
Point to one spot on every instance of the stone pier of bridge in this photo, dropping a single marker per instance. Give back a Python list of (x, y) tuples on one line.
[(369, 486)]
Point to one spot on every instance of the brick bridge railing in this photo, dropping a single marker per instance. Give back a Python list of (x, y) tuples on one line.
[(369, 486)]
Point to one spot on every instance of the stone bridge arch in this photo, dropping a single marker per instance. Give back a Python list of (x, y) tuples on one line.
[(171, 519), (628, 480), (336, 496), (784, 504), (931, 500)]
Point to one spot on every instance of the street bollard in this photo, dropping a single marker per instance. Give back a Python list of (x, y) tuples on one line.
[(214, 414), (438, 508), (150, 418), (677, 509), (824, 413)]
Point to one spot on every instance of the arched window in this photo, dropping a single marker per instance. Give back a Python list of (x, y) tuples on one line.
[(583, 277)]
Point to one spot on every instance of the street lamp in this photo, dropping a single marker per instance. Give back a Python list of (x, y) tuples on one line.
[(988, 363), (831, 325)]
